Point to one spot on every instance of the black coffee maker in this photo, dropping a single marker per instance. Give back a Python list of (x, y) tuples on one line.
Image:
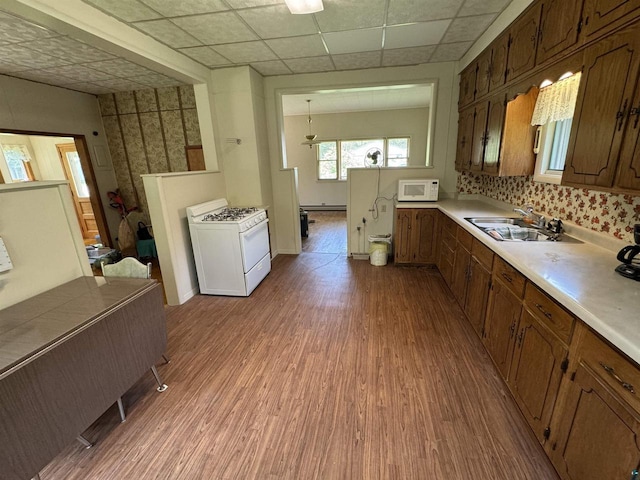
[(630, 267)]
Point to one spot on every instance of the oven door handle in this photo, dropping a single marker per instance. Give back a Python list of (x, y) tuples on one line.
[(255, 229)]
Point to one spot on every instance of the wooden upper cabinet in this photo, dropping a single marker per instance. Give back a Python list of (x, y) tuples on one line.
[(465, 139), (523, 42), (499, 57), (599, 16), (559, 27), (479, 136), (467, 86), (495, 123), (483, 73), (628, 176), (602, 108)]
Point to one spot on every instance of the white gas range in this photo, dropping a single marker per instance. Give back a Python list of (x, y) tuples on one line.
[(230, 247)]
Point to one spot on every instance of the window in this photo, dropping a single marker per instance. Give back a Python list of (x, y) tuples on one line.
[(337, 156), (552, 152), (18, 158)]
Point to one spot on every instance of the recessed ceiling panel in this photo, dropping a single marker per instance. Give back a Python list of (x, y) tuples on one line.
[(16, 30), (168, 33), (353, 61), (297, 47), (245, 52), (214, 28), (408, 11), (466, 29), (407, 56), (352, 41), (69, 49), (450, 52), (21, 55), (481, 7), (205, 55), (310, 64), (271, 67), (276, 21), (350, 15), (174, 8), (415, 34), (127, 10)]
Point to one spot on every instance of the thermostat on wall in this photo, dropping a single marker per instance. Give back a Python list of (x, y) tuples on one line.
[(5, 261)]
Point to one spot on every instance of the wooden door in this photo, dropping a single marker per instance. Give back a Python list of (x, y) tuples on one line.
[(403, 235), (479, 136), (598, 435), (483, 73), (501, 323), (79, 189), (465, 139), (495, 123), (499, 57), (601, 14), (477, 294), (522, 43), (467, 85), (559, 27), (425, 222), (536, 371), (460, 275), (628, 176), (604, 100)]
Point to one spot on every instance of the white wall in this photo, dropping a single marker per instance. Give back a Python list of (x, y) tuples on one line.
[(39, 228), (47, 157), (412, 122), (169, 194)]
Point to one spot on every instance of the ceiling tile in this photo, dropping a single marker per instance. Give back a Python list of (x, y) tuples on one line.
[(350, 15), (415, 34), (127, 10), (205, 55), (185, 7), (118, 67), (252, 3), (450, 52), (168, 33), (15, 30), (156, 80), (352, 61), (276, 21), (272, 67), (351, 41), (406, 11), (215, 28), (296, 47), (467, 28), (89, 88), (21, 55), (46, 77), (310, 64), (8, 67), (246, 52), (120, 84), (481, 7), (69, 49), (80, 73), (407, 56)]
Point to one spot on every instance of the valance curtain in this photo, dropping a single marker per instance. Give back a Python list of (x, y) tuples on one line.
[(557, 101)]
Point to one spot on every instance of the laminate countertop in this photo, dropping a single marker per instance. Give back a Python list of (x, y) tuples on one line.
[(30, 328), (579, 276)]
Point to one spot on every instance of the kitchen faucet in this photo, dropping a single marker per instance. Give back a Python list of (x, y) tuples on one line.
[(528, 216)]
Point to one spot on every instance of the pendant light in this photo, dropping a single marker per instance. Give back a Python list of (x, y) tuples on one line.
[(311, 138)]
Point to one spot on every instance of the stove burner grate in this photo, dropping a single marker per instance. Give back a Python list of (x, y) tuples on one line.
[(229, 214)]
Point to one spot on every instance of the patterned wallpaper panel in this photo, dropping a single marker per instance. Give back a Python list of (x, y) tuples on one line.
[(147, 132), (612, 214)]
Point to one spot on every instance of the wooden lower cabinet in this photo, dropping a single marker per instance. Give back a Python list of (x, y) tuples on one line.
[(460, 274), (416, 230), (477, 294)]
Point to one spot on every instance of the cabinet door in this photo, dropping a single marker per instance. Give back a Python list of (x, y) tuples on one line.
[(477, 294), (403, 235), (628, 176), (536, 371), (604, 99), (501, 324), (483, 73), (600, 14), (467, 85), (598, 435), (465, 139), (425, 223), (479, 136), (499, 57), (495, 123), (522, 44), (516, 157), (559, 27), (460, 274)]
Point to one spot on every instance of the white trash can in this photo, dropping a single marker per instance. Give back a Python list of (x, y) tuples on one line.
[(379, 246)]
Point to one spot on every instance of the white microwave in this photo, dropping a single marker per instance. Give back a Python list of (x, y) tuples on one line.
[(418, 190)]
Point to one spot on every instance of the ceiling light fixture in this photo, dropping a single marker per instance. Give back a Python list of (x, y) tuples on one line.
[(302, 7), (311, 138)]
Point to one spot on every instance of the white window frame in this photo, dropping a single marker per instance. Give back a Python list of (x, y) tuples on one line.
[(544, 154), (338, 160)]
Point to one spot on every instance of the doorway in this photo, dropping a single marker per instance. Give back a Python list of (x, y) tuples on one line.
[(327, 232)]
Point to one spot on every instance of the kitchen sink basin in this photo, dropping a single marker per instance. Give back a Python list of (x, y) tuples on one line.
[(508, 229)]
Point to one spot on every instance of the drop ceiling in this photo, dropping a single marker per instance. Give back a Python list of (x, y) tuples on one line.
[(347, 35)]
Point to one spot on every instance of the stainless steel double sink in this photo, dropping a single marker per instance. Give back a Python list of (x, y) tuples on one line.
[(507, 229)]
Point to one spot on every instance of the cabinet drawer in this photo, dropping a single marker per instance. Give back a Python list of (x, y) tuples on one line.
[(464, 238), (510, 276), (549, 312), (483, 254), (621, 374)]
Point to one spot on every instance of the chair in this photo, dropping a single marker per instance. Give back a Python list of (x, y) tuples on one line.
[(131, 268)]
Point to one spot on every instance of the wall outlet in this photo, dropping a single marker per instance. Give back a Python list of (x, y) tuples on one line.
[(383, 208)]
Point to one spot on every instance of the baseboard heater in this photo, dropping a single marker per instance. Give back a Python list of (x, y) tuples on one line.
[(312, 208)]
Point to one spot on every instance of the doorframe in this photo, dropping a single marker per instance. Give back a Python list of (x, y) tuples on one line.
[(89, 175)]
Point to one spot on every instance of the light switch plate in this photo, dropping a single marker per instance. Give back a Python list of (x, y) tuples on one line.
[(5, 261)]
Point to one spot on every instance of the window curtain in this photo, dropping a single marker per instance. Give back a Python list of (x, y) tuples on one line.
[(557, 101)]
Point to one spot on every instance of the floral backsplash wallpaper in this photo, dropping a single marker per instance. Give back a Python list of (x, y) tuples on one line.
[(613, 214)]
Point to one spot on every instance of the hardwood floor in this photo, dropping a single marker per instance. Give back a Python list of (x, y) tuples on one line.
[(328, 232), (331, 369)]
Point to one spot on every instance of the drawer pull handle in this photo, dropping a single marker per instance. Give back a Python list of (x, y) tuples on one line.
[(544, 312), (507, 277), (611, 371)]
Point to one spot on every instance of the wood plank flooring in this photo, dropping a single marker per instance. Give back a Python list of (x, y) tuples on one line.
[(327, 233), (331, 369)]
